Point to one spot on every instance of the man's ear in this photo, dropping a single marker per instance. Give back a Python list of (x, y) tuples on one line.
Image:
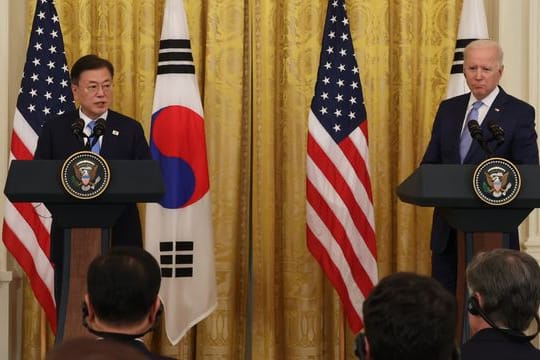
[(156, 307), (480, 299), (90, 313), (75, 91)]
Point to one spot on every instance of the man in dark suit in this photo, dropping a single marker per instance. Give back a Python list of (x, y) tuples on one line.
[(90, 349), (123, 138), (122, 302), (487, 103), (505, 297)]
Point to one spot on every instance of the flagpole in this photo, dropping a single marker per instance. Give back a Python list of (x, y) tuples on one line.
[(341, 333), (43, 334)]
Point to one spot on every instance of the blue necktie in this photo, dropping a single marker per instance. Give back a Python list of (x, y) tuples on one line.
[(93, 139), (465, 140)]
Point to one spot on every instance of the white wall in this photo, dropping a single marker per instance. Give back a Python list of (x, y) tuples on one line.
[(5, 276), (514, 23), (4, 130)]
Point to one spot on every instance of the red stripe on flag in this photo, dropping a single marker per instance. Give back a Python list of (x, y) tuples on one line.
[(29, 214), (332, 272), (338, 232), (24, 258), (364, 128), (361, 171), (333, 174), (19, 150), (358, 164)]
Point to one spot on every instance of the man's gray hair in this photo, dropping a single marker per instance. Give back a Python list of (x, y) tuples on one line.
[(486, 43), (509, 283)]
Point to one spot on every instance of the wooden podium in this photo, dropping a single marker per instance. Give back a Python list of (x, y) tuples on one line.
[(87, 223), (480, 226)]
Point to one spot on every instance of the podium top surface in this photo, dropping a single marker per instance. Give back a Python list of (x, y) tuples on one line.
[(451, 186), (39, 181)]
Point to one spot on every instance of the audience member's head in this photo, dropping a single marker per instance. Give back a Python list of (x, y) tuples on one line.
[(409, 317), (505, 290), (90, 349), (123, 288)]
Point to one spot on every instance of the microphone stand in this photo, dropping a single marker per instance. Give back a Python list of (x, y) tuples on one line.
[(476, 134)]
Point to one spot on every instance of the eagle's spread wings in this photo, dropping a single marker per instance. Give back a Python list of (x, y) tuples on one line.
[(77, 172)]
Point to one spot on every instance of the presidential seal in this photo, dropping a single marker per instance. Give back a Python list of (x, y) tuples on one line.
[(496, 181), (85, 175)]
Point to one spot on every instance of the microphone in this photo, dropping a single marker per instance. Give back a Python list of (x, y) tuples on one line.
[(476, 134), (498, 133), (474, 129), (77, 130), (99, 128)]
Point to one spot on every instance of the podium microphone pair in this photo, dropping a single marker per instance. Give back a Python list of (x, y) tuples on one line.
[(77, 130), (476, 134)]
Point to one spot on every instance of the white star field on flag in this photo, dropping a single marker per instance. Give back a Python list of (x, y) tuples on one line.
[(45, 88), (338, 101)]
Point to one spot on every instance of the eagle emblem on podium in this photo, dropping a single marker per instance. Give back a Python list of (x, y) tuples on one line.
[(496, 181), (85, 175)]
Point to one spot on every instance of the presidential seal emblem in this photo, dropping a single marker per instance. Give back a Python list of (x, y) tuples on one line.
[(496, 181), (85, 175)]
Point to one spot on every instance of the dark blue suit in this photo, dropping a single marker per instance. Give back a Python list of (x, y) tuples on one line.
[(123, 140), (517, 119), (493, 345), (139, 346)]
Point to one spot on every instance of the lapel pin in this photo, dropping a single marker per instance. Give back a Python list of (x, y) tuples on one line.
[(115, 132), (497, 109)]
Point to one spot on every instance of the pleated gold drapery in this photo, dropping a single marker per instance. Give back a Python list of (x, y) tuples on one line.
[(256, 62)]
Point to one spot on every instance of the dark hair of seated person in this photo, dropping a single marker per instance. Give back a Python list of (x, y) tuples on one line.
[(410, 317), (123, 285)]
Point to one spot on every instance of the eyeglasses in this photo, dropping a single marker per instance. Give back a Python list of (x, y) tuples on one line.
[(93, 88)]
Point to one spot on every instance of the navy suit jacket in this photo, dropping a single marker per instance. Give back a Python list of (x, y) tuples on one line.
[(493, 345), (138, 345), (514, 116), (123, 140)]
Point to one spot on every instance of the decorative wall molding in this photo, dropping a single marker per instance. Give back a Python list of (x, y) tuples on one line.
[(4, 123), (5, 325), (12, 30), (532, 243)]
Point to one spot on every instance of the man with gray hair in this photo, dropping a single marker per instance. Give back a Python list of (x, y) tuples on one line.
[(486, 107), (504, 298)]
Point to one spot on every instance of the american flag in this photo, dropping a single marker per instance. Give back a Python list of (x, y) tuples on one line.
[(45, 91), (340, 220)]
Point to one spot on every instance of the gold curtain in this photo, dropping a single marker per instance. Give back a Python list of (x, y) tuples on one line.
[(256, 62)]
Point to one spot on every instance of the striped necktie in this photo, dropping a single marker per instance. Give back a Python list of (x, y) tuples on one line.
[(93, 140)]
